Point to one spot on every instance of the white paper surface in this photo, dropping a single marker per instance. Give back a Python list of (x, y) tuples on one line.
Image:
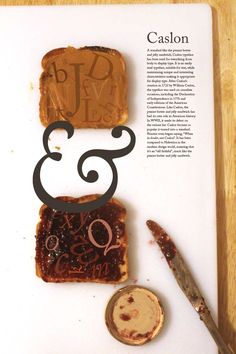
[(43, 318)]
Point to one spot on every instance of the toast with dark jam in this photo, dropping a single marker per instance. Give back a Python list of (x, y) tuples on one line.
[(82, 247)]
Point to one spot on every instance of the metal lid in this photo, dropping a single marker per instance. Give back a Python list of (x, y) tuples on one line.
[(134, 315)]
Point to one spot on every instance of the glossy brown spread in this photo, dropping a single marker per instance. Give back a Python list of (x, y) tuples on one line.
[(85, 86), (88, 246)]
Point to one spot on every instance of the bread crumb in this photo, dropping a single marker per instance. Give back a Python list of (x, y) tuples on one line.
[(31, 86), (58, 148)]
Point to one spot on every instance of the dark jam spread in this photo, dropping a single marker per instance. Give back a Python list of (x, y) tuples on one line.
[(164, 241), (83, 246)]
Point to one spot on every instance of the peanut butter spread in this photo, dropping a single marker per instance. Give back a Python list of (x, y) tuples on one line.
[(135, 315), (85, 86)]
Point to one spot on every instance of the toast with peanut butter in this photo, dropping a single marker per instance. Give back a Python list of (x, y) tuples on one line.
[(86, 87)]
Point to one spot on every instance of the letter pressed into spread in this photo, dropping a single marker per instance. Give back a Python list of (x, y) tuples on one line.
[(85, 86)]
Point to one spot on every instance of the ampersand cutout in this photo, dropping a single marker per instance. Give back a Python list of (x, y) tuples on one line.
[(92, 175)]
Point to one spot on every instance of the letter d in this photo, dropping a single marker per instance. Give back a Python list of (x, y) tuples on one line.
[(107, 72)]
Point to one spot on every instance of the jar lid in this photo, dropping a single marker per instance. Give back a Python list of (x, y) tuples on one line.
[(134, 315)]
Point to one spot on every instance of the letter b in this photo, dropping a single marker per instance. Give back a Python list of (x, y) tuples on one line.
[(60, 74)]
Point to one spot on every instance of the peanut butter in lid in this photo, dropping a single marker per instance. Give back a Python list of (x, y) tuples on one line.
[(134, 315)]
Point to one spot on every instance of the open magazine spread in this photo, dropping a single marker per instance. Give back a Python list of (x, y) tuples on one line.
[(110, 122)]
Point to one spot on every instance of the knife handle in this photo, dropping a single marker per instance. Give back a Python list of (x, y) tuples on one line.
[(211, 326)]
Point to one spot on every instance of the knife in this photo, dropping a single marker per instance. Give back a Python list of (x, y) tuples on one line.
[(187, 282)]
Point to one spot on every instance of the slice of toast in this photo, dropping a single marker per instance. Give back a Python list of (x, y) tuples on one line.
[(85, 86), (82, 247)]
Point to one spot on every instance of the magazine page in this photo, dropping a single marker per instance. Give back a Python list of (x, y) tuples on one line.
[(131, 87)]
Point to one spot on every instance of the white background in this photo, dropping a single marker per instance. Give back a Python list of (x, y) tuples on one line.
[(42, 318)]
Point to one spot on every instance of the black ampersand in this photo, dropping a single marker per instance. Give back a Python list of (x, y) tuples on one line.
[(92, 175)]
